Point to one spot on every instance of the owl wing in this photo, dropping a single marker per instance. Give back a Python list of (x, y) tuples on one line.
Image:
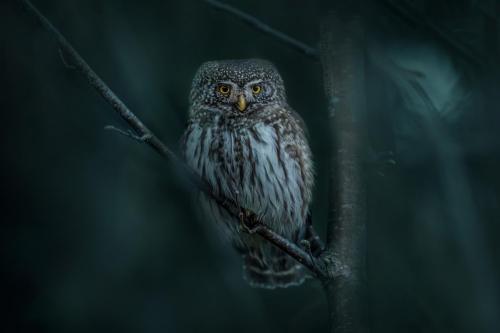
[(183, 139), (299, 146), (300, 122), (291, 130)]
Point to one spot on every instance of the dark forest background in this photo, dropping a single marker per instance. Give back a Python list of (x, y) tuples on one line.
[(100, 235)]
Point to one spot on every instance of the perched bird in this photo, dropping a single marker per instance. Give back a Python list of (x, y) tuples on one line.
[(245, 140)]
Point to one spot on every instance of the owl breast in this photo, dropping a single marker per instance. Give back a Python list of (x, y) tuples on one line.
[(259, 166)]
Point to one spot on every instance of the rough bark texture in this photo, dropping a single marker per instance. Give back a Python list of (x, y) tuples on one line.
[(342, 57)]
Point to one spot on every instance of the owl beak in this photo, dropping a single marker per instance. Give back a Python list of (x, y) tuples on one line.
[(242, 103)]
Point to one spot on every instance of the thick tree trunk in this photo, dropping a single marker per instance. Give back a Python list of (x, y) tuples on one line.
[(342, 57)]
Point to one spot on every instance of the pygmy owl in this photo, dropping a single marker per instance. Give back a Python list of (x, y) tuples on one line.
[(245, 140)]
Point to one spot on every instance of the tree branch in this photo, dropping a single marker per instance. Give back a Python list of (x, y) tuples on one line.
[(145, 135), (261, 26), (307, 259)]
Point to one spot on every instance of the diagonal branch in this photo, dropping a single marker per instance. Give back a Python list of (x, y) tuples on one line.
[(75, 60), (145, 135), (259, 25), (307, 259)]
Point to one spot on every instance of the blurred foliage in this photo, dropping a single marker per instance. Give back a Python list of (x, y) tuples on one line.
[(98, 233)]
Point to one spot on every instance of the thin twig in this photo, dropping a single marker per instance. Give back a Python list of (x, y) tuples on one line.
[(259, 25), (65, 63), (97, 83), (145, 135), (127, 133)]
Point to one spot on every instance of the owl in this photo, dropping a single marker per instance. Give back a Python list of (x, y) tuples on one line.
[(244, 139)]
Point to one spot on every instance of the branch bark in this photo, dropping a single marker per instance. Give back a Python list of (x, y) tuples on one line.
[(342, 58), (145, 135)]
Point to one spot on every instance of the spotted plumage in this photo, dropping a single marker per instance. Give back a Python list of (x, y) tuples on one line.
[(244, 139)]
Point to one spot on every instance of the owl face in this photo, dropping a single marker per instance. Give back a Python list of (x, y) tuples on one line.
[(239, 87)]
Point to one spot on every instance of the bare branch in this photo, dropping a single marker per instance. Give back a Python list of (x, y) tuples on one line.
[(314, 265), (65, 63), (259, 25), (127, 133), (97, 83), (145, 135)]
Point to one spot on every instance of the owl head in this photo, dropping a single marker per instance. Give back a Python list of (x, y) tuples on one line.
[(240, 87)]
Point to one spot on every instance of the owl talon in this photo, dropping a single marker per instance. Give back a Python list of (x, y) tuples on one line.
[(249, 222), (306, 244)]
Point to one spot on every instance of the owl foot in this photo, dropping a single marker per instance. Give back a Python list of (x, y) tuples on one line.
[(314, 259), (249, 222)]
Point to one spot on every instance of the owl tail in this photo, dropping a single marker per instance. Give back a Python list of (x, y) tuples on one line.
[(266, 266), (269, 267)]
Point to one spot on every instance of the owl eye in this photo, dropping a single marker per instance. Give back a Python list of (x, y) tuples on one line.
[(256, 89), (224, 89)]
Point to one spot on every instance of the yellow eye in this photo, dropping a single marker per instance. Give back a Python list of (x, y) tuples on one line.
[(224, 89), (256, 89)]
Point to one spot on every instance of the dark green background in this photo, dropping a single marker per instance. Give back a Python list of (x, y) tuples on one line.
[(99, 234)]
